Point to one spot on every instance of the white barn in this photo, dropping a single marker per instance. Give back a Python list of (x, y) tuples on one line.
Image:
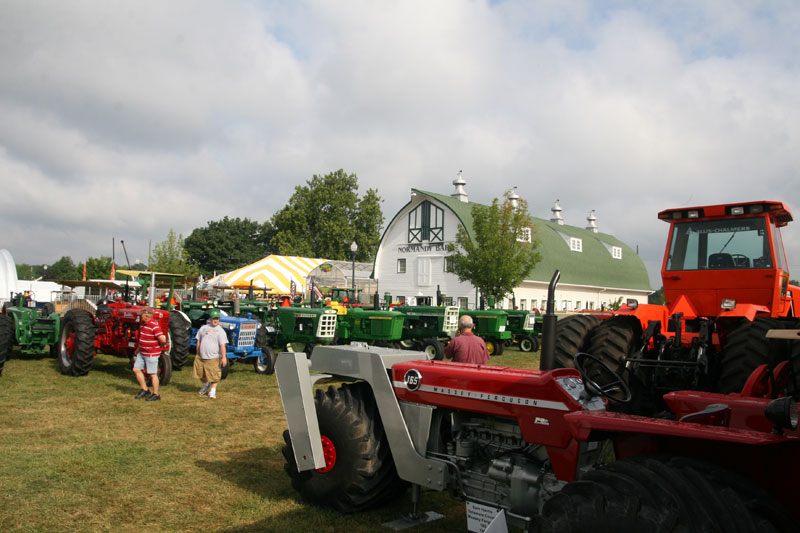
[(596, 268)]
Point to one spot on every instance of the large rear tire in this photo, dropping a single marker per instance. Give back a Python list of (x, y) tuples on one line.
[(662, 494), (494, 346), (76, 343), (613, 340), (6, 335), (746, 348), (360, 472), (572, 336), (179, 329)]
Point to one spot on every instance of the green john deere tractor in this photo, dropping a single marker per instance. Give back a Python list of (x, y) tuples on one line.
[(492, 326), (525, 328), (380, 328), (33, 326), (428, 328)]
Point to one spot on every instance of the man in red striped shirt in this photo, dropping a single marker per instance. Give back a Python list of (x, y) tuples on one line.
[(151, 342)]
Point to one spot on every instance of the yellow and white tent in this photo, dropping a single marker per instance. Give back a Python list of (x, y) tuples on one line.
[(275, 272)]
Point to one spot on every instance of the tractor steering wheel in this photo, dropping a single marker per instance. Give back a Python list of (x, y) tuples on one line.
[(615, 388)]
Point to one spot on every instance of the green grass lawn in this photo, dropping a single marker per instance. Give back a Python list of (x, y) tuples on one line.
[(81, 454)]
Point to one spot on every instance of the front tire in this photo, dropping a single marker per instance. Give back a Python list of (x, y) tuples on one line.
[(179, 336), (76, 343), (265, 363), (434, 350), (529, 343), (360, 472), (614, 340)]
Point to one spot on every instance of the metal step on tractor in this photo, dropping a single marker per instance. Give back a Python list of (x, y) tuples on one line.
[(726, 283), (31, 325), (537, 449), (112, 326)]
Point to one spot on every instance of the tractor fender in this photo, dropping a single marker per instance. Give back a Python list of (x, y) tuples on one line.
[(748, 311), (370, 364), (583, 423), (184, 315), (646, 313)]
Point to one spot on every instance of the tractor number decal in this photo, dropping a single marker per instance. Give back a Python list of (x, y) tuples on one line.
[(413, 379), (476, 395)]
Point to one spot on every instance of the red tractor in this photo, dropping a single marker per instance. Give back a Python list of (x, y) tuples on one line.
[(536, 449), (726, 283), (112, 327)]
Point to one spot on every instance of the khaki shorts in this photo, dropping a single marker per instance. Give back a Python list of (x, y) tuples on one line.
[(207, 370)]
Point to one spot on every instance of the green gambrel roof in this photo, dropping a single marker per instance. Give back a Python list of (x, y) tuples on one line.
[(594, 266)]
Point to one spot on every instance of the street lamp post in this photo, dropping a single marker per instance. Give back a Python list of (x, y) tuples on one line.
[(353, 250)]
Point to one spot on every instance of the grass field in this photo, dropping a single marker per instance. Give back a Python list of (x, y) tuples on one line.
[(80, 454)]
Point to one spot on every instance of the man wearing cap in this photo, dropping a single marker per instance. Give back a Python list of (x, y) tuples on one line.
[(211, 341)]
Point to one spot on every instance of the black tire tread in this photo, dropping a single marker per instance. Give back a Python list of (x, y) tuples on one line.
[(572, 335), (364, 475), (663, 494), (6, 338), (746, 348), (179, 329), (613, 340), (82, 323)]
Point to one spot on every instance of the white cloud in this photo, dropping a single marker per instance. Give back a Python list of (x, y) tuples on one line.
[(130, 119)]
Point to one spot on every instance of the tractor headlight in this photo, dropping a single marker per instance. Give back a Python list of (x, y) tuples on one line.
[(633, 303), (737, 210), (783, 413), (693, 214), (728, 304)]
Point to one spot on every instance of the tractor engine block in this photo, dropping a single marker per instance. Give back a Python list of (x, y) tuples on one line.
[(495, 464)]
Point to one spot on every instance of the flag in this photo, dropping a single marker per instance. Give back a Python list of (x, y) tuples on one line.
[(84, 272), (292, 290), (314, 288), (112, 269)]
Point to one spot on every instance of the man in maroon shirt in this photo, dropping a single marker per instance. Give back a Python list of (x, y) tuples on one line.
[(466, 347)]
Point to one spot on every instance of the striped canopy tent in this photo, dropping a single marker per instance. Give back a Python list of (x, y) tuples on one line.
[(274, 272)]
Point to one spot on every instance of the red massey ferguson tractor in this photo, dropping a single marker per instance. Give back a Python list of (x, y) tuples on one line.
[(536, 449), (112, 327), (726, 283)]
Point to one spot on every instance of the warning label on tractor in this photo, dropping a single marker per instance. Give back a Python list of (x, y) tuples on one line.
[(485, 519)]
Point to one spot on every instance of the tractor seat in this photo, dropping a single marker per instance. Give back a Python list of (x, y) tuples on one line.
[(720, 261)]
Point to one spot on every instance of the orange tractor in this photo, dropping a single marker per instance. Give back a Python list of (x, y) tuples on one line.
[(726, 283)]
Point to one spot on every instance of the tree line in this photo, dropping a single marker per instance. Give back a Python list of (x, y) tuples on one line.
[(320, 219)]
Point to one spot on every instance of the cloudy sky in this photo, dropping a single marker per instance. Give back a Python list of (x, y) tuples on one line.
[(127, 119)]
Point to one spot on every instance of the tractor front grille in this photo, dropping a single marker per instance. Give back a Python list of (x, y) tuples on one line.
[(247, 335), (327, 326)]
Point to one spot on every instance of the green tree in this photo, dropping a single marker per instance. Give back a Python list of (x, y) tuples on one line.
[(501, 250), (97, 268), (325, 216), (168, 256), (227, 244), (64, 268), (657, 297), (25, 271)]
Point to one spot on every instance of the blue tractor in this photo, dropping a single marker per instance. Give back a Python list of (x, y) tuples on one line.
[(246, 339)]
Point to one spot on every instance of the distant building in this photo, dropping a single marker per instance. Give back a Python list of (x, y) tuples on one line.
[(597, 269)]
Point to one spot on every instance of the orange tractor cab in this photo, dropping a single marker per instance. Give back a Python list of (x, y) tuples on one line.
[(726, 283)]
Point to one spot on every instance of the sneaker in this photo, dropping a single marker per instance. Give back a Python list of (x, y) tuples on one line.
[(212, 394), (144, 393), (153, 398), (204, 388)]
